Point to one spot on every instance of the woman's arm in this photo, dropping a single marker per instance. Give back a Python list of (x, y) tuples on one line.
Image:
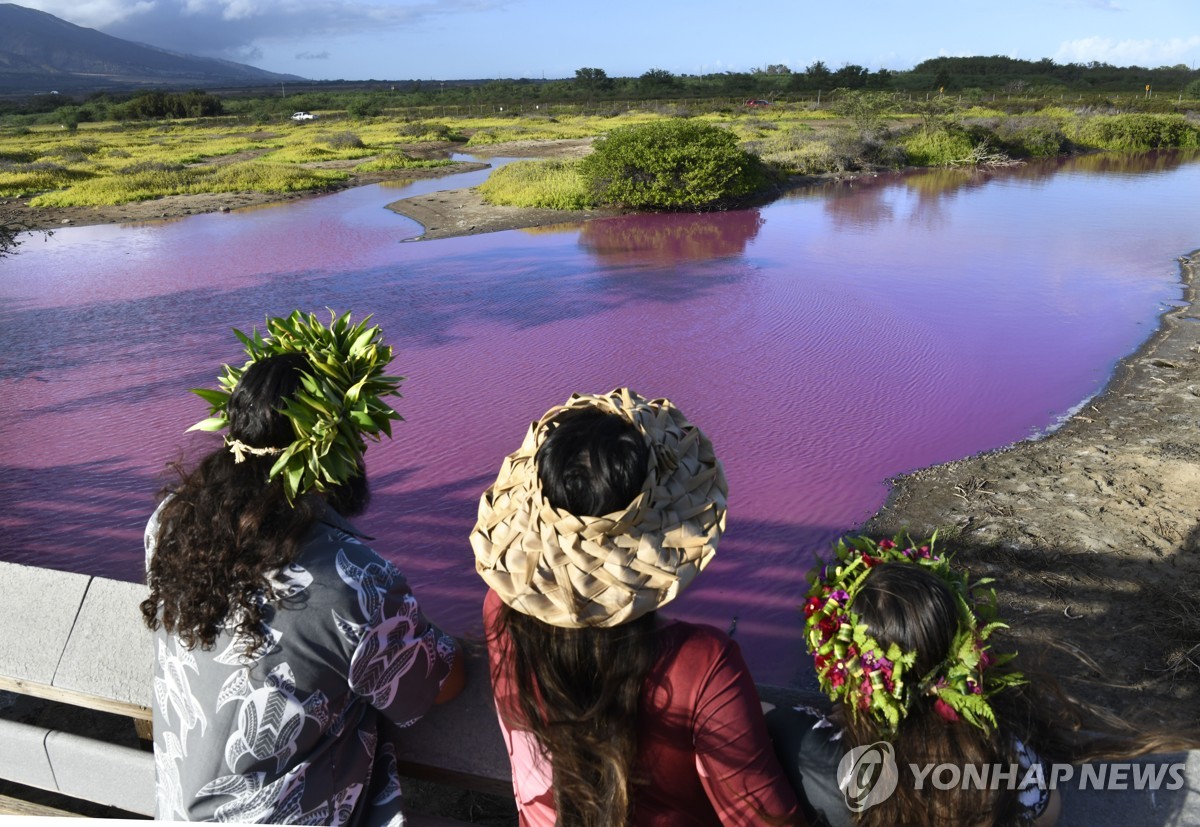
[(734, 755)]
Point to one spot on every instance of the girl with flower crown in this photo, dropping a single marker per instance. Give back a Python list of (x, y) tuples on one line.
[(901, 644)]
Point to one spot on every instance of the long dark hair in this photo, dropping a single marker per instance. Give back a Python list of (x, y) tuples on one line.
[(911, 607), (224, 527), (578, 690)]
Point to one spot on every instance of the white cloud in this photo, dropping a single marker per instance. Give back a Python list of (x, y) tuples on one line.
[(1149, 53), (92, 14), (230, 27)]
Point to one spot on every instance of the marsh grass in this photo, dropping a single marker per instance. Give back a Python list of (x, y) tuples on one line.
[(553, 184), (1133, 132), (112, 162), (140, 182), (398, 160)]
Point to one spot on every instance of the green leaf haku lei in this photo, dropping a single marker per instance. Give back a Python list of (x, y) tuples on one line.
[(872, 679), (338, 403)]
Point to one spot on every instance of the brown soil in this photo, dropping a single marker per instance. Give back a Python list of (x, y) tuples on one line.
[(1092, 534)]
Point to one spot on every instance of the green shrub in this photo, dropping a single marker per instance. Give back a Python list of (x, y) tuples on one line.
[(1192, 90), (1133, 132), (671, 164), (939, 146), (554, 184), (425, 131), (1031, 137), (345, 140)]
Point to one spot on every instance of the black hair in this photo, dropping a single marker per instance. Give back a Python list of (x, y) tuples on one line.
[(592, 462), (226, 526), (909, 606), (254, 409), (579, 690)]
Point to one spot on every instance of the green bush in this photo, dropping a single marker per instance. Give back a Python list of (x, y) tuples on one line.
[(671, 164), (939, 146), (1134, 132), (415, 131), (553, 184), (1192, 90), (398, 160), (345, 140), (1031, 137)]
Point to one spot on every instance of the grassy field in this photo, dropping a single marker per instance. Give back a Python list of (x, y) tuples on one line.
[(114, 163)]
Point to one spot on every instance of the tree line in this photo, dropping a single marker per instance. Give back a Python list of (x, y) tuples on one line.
[(942, 75)]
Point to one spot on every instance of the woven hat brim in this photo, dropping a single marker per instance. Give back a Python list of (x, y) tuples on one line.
[(574, 571)]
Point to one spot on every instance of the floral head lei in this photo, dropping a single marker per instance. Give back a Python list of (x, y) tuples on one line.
[(872, 679), (339, 400)]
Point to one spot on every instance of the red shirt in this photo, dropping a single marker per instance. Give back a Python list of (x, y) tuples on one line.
[(702, 742)]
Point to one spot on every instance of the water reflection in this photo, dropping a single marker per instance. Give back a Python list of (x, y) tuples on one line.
[(669, 238), (871, 200)]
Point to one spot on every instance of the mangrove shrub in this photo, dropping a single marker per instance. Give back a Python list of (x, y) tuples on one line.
[(1138, 131), (671, 164)]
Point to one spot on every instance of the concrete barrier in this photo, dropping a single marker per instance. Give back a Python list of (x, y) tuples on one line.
[(75, 639)]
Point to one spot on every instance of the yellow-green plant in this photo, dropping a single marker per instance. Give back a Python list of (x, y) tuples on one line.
[(553, 184), (398, 160)]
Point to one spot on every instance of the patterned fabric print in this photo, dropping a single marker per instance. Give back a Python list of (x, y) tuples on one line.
[(278, 802), (289, 733), (284, 584), (172, 690), (270, 717), (391, 643)]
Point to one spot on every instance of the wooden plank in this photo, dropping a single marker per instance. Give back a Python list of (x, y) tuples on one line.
[(74, 697), (10, 806)]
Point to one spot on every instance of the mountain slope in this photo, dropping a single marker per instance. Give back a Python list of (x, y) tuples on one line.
[(40, 52)]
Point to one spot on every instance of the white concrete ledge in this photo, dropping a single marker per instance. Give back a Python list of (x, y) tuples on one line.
[(83, 638), (23, 758)]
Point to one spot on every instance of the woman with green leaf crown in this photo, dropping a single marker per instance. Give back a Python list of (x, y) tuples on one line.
[(287, 651), (902, 646)]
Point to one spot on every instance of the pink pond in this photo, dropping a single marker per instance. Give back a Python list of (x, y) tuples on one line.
[(826, 343)]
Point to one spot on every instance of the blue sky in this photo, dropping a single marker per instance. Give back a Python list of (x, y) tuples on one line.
[(447, 39)]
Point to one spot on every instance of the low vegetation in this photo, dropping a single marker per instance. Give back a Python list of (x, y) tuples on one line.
[(675, 151), (552, 184)]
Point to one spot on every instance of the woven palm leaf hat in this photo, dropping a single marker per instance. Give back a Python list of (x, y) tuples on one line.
[(576, 571)]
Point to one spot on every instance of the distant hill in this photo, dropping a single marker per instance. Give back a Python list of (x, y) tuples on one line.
[(41, 53)]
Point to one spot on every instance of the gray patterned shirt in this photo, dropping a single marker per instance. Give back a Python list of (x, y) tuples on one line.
[(295, 732)]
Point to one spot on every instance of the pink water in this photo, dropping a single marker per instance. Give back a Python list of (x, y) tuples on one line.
[(826, 343)]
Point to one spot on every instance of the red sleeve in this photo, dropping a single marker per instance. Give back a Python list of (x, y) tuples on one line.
[(734, 756)]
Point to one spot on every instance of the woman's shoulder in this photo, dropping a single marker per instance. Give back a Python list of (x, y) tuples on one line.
[(698, 648), (681, 633)]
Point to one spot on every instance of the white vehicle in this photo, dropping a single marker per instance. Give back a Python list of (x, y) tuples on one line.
[(303, 116)]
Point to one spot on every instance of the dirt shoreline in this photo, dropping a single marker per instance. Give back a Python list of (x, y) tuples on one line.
[(1091, 533)]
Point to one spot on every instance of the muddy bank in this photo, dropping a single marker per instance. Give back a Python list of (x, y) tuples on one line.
[(1092, 534)]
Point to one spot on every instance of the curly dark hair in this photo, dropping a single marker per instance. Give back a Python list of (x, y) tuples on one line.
[(224, 526)]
